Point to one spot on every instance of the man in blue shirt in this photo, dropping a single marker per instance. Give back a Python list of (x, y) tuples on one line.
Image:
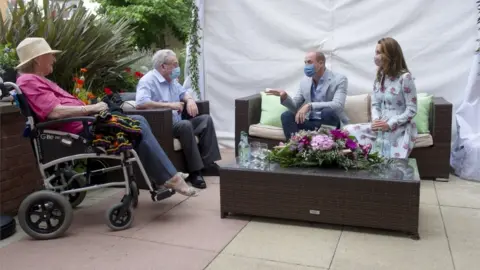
[(159, 88), (320, 99)]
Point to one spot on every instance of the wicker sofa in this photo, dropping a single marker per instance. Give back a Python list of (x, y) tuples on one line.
[(432, 151)]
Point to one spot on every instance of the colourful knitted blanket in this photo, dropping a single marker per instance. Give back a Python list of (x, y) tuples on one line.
[(115, 133)]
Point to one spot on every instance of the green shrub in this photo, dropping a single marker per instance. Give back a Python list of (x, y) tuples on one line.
[(86, 40)]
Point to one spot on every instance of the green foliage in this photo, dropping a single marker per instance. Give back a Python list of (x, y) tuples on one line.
[(8, 56), (86, 41), (194, 48), (154, 19), (143, 62)]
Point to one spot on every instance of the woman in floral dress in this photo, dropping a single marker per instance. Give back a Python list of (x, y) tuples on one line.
[(394, 103)]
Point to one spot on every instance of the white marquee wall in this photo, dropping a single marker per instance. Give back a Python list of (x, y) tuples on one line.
[(249, 45)]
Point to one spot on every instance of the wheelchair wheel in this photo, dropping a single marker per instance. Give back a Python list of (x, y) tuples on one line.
[(45, 215), (135, 192), (77, 198), (117, 222)]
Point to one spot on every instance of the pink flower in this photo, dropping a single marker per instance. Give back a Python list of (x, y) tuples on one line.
[(339, 134), (407, 90), (322, 143), (414, 100), (305, 141), (350, 144), (366, 149)]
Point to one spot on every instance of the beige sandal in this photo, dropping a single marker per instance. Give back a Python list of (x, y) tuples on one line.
[(179, 185)]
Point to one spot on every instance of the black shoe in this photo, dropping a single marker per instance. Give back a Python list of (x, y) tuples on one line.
[(197, 180)]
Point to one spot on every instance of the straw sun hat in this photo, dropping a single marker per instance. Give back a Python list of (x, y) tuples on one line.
[(32, 47)]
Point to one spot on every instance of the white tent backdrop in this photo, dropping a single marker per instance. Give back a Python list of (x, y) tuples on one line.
[(249, 45)]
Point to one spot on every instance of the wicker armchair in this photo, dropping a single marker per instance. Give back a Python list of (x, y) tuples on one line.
[(433, 161), (160, 121)]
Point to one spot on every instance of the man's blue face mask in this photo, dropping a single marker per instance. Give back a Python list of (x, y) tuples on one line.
[(309, 70), (175, 73)]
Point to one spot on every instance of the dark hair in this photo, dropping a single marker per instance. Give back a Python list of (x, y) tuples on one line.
[(320, 57), (393, 62)]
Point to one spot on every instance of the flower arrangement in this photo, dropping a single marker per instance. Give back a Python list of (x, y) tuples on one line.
[(325, 148)]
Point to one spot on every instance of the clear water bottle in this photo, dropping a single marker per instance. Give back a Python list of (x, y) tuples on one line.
[(244, 149), (386, 146), (378, 145)]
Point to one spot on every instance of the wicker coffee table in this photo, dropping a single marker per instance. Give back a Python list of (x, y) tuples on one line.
[(386, 199)]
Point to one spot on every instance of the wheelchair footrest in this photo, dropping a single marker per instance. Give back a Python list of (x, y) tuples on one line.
[(161, 194)]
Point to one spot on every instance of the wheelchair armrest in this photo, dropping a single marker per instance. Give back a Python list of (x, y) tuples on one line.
[(84, 119)]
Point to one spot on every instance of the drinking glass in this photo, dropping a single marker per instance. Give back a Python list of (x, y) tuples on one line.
[(254, 151), (262, 154)]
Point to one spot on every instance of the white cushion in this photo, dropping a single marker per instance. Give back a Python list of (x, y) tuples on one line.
[(177, 146), (130, 104), (423, 140), (275, 133), (357, 108), (267, 132)]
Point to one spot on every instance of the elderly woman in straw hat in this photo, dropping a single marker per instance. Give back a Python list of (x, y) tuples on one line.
[(48, 101)]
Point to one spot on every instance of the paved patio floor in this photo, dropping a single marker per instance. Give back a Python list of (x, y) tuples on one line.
[(188, 234)]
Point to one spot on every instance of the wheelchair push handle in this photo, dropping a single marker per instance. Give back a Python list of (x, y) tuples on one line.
[(4, 85)]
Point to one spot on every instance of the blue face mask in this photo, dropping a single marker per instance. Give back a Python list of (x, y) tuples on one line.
[(175, 73), (309, 70)]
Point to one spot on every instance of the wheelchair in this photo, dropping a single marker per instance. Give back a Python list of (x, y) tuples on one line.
[(48, 213)]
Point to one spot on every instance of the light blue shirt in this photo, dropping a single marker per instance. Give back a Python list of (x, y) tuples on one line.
[(153, 87), (317, 96)]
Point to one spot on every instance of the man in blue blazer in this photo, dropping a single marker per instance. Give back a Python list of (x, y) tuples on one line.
[(320, 100)]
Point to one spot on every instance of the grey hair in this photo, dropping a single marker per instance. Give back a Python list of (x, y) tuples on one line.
[(28, 67), (161, 57)]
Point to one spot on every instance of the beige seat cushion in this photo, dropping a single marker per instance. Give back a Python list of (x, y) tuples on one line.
[(177, 146), (357, 108), (267, 132), (423, 140), (275, 133), (130, 104)]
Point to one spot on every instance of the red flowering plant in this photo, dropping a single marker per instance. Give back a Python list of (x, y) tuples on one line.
[(325, 148), (79, 89), (131, 79)]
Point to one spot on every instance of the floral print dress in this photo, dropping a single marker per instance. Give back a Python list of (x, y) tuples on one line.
[(396, 103)]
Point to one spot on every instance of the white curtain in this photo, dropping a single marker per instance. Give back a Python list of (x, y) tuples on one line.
[(249, 45), (466, 149)]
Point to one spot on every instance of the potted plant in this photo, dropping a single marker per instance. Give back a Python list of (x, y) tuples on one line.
[(8, 62)]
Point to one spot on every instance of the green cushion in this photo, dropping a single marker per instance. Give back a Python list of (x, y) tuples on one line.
[(424, 104), (271, 110)]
